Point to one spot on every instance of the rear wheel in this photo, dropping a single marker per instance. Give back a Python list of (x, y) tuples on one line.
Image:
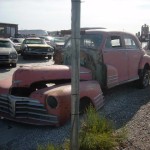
[(144, 79)]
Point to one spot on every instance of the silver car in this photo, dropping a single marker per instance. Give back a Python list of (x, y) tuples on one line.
[(17, 44), (8, 54)]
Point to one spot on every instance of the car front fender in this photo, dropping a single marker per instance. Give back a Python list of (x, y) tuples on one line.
[(62, 95)]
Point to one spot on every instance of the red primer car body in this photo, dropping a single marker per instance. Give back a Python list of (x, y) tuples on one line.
[(42, 95)]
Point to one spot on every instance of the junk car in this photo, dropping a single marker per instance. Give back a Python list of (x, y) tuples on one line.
[(8, 54), (36, 47), (107, 59), (17, 43)]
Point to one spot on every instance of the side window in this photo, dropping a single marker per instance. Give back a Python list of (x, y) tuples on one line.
[(130, 43), (113, 42)]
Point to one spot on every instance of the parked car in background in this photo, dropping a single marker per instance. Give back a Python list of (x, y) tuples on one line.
[(36, 47), (46, 38), (17, 42), (107, 59), (57, 42), (8, 54)]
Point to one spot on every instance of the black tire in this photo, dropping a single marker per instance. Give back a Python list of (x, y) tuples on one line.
[(84, 104), (13, 65), (49, 57), (144, 79)]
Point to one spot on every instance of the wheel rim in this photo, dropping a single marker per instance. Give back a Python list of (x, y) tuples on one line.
[(146, 80)]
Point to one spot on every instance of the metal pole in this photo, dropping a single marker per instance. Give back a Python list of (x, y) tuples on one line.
[(75, 34)]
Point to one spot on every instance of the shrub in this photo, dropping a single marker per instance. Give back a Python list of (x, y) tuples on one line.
[(48, 147), (97, 133)]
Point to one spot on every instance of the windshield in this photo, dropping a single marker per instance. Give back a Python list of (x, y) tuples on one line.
[(5, 44), (59, 39), (34, 41), (88, 41)]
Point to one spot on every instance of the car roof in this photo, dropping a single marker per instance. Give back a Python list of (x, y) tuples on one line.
[(106, 31)]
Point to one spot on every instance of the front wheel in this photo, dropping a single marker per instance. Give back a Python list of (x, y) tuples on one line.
[(13, 65), (144, 79), (49, 57), (84, 104)]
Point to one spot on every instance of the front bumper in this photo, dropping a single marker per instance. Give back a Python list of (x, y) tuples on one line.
[(4, 59), (25, 110), (35, 53)]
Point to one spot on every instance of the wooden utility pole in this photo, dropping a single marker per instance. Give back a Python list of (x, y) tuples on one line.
[(75, 42)]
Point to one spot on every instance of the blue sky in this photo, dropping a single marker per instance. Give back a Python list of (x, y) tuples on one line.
[(125, 15)]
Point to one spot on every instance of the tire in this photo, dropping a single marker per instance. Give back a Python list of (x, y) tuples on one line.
[(144, 79), (84, 104), (13, 65), (49, 57)]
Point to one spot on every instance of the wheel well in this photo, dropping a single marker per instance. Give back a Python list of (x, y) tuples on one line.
[(85, 102), (147, 66)]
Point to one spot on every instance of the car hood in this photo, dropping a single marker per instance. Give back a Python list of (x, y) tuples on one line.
[(5, 51), (26, 75), (37, 45)]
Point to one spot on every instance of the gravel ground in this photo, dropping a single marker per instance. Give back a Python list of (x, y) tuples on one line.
[(125, 105)]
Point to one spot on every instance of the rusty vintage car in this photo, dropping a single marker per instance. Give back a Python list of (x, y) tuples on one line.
[(42, 95), (33, 46)]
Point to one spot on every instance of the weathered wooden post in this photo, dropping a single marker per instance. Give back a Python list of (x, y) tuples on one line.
[(75, 35)]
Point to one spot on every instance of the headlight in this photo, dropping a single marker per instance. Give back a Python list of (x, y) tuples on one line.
[(13, 56), (52, 102)]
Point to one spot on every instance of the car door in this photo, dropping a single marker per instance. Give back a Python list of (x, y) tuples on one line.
[(115, 58), (134, 55)]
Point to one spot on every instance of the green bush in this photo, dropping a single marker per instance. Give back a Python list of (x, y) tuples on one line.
[(96, 133), (48, 147)]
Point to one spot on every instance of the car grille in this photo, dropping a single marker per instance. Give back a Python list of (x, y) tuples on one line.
[(4, 57), (38, 49), (25, 108)]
